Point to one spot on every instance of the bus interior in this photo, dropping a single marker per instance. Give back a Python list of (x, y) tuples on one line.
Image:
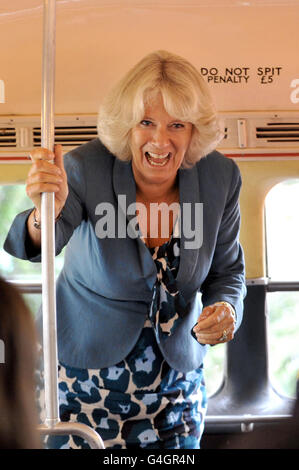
[(247, 52)]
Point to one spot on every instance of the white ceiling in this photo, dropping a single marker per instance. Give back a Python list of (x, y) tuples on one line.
[(98, 40)]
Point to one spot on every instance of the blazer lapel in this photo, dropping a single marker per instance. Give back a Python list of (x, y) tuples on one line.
[(125, 191), (124, 185), (189, 196)]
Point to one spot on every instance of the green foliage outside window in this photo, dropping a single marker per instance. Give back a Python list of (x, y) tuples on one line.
[(13, 200), (283, 337)]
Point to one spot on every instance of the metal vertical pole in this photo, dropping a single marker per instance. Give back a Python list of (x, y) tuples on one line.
[(52, 420), (48, 222)]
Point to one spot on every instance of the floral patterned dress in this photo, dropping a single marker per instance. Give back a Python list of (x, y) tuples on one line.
[(141, 402)]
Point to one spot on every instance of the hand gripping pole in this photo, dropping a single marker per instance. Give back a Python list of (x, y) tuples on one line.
[(52, 420)]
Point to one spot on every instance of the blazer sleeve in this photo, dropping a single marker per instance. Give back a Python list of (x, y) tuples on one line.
[(18, 243), (226, 277)]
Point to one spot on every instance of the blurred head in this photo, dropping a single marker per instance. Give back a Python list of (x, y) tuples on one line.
[(18, 417), (185, 97)]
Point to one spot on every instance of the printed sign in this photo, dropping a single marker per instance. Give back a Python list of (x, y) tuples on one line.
[(265, 75)]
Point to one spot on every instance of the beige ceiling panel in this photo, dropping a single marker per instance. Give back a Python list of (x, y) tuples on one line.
[(246, 49)]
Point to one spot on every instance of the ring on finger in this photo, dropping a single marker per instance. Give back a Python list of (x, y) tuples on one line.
[(224, 336)]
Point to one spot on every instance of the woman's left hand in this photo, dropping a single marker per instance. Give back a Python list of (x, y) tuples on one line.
[(216, 324)]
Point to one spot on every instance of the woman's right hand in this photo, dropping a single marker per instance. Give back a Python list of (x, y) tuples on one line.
[(45, 176)]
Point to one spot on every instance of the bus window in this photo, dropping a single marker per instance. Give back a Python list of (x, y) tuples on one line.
[(13, 200), (282, 235), (282, 229), (214, 366), (283, 336)]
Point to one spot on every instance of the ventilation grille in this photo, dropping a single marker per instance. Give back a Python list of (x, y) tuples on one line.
[(278, 132), (8, 137), (248, 133), (68, 136)]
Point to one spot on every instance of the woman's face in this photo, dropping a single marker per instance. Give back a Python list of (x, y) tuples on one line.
[(158, 143)]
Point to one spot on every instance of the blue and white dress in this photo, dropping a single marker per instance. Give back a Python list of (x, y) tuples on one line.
[(141, 402)]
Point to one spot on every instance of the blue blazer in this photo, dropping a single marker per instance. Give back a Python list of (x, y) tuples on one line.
[(104, 291)]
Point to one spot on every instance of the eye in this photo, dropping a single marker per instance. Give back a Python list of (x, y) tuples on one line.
[(145, 122), (178, 125)]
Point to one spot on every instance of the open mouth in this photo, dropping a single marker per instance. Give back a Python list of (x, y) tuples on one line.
[(155, 159)]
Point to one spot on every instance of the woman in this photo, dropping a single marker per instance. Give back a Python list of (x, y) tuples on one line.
[(150, 218), (18, 417)]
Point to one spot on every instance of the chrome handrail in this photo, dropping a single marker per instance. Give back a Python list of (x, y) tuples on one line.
[(246, 418), (35, 287), (78, 429), (246, 421), (52, 425), (27, 287)]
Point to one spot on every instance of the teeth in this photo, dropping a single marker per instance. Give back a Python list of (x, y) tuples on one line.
[(155, 155), (158, 164), (163, 158)]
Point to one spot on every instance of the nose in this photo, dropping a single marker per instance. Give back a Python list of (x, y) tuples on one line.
[(160, 137)]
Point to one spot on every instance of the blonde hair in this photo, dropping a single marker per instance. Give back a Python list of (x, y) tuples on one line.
[(185, 94)]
